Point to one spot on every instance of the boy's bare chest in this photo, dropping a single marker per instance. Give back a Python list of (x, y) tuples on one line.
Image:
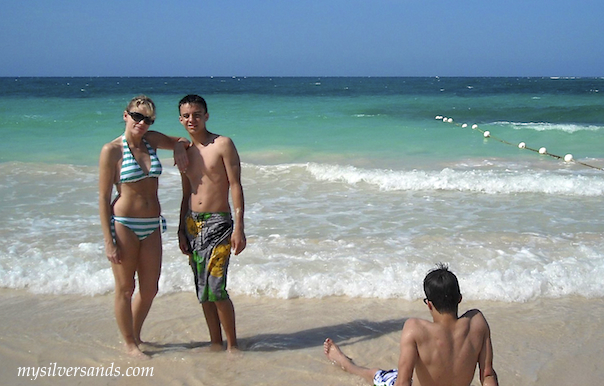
[(207, 163)]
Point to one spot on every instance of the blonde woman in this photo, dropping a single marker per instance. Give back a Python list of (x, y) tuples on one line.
[(132, 222)]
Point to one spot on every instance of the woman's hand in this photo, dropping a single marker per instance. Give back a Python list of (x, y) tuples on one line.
[(113, 253)]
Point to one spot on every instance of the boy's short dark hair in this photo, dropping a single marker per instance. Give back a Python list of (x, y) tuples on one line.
[(442, 289), (193, 99)]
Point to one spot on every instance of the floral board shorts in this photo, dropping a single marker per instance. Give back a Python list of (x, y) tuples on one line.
[(209, 236)]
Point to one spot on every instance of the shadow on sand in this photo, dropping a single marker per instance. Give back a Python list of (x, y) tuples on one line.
[(351, 332), (348, 333)]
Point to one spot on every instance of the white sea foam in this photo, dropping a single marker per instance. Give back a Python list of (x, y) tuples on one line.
[(317, 230), (484, 181), (546, 126)]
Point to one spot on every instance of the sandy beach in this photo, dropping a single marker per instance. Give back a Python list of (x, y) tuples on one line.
[(545, 342)]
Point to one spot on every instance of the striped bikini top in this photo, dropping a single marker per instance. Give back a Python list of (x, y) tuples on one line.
[(131, 170)]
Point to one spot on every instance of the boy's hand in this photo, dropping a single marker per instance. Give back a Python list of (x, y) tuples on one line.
[(238, 242), (183, 243)]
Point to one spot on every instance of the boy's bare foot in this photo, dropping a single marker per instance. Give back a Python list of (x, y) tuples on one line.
[(335, 355), (211, 348), (234, 352)]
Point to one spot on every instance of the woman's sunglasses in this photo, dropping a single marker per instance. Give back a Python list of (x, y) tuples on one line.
[(140, 117)]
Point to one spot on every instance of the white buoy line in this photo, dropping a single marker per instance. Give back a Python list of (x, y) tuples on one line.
[(521, 145)]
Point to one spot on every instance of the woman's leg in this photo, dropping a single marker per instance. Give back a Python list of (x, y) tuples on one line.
[(149, 270), (123, 273)]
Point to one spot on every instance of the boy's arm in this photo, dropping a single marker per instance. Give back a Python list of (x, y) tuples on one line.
[(183, 242), (488, 377), (233, 169), (409, 354), (179, 145)]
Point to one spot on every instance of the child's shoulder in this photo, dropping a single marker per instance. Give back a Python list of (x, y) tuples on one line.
[(473, 313), (222, 140), (415, 323)]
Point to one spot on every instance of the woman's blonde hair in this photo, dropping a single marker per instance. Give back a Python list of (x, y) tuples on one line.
[(142, 100)]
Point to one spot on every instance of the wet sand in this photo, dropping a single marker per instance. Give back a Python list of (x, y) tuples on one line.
[(544, 342)]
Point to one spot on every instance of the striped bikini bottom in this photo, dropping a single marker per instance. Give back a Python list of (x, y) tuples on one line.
[(142, 227)]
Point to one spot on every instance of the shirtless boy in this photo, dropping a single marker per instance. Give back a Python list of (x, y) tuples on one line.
[(442, 352), (206, 232)]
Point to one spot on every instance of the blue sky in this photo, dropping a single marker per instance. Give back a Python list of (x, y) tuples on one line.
[(302, 38)]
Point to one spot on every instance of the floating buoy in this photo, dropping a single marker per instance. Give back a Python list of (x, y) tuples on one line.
[(521, 145)]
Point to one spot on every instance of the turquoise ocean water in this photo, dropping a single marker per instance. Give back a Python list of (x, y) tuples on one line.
[(352, 185)]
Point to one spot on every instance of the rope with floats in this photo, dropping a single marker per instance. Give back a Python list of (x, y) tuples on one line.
[(521, 145)]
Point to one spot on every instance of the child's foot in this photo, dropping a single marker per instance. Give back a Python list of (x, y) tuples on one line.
[(335, 355), (234, 352)]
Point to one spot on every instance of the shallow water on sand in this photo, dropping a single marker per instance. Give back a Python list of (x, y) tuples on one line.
[(536, 343)]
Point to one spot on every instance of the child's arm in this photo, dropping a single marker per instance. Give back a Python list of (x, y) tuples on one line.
[(488, 376), (409, 354), (183, 242), (233, 168)]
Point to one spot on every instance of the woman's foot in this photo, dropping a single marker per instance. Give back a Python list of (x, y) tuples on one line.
[(133, 351)]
